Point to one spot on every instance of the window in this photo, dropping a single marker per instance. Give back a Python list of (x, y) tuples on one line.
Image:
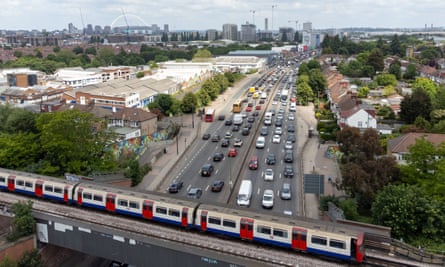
[(20, 182), (48, 188), (337, 244), (58, 190), (359, 124), (87, 196), (97, 198), (28, 184), (214, 220), (123, 202), (280, 233), (161, 210), (318, 240), (229, 223), (2, 179), (263, 230), (173, 212), (134, 205)]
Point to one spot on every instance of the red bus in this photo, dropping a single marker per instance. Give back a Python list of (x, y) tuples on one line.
[(210, 115)]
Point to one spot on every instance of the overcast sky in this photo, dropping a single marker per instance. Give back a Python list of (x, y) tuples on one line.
[(211, 14)]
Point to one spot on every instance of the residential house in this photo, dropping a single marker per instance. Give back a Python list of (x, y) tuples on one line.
[(399, 147)]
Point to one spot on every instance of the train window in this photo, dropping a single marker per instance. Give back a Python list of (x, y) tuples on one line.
[(58, 190), (303, 236), (2, 179), (319, 240), (263, 229), (28, 184), (280, 233), (229, 223), (214, 220), (97, 198), (20, 182), (134, 205), (48, 188), (161, 210), (87, 196), (337, 244), (123, 202), (173, 212)]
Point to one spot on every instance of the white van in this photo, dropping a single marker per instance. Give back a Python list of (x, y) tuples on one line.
[(238, 119), (244, 193), (260, 142)]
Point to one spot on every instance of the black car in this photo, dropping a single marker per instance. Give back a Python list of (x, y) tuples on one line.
[(291, 137), (216, 138), (228, 122), (225, 143), (175, 187), (288, 171), (250, 104), (245, 132), (235, 128), (264, 131), (217, 186), (206, 136), (278, 122), (194, 192), (288, 156), (251, 119), (291, 128), (218, 156), (206, 169), (248, 125), (221, 117), (255, 113), (271, 159)]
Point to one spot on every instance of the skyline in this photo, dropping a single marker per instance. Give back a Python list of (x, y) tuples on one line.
[(30, 15)]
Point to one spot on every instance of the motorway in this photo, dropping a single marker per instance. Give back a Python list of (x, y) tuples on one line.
[(232, 170)]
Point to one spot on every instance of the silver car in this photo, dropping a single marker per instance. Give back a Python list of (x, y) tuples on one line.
[(286, 192)]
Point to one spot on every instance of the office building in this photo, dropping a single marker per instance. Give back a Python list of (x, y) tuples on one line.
[(230, 32), (248, 32)]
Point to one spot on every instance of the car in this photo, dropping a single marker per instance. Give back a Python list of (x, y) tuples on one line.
[(245, 131), (194, 192), (272, 111), (218, 156), (235, 128), (264, 131), (271, 159), (206, 136), (175, 187), (278, 122), (288, 156), (232, 152), (248, 109), (258, 107), (228, 135), (245, 100), (237, 142), (267, 122), (288, 171), (281, 111), (291, 128), (221, 117), (251, 119), (268, 175), (288, 145), (217, 186), (255, 113), (225, 143), (260, 142), (215, 138), (244, 114), (248, 125), (267, 201), (253, 163), (283, 103), (286, 191), (261, 101), (276, 139), (291, 117), (206, 169), (280, 116), (228, 122), (279, 130), (249, 94), (291, 137), (274, 102), (250, 104)]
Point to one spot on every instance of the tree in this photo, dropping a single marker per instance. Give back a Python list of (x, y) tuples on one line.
[(317, 81), (396, 47), (411, 72), (135, 171), (23, 220), (31, 259), (202, 55), (376, 60), (386, 79), (314, 64), (395, 70), (427, 85), (7, 262), (304, 93), (164, 102), (189, 103), (415, 105), (363, 92)]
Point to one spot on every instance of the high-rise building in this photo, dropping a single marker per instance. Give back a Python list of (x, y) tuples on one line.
[(89, 29), (286, 34), (307, 26), (166, 30), (248, 32), (212, 35), (266, 24), (230, 32)]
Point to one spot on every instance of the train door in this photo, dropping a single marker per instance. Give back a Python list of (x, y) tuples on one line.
[(204, 220), (358, 248), (147, 209), (38, 190), (299, 238), (111, 203), (184, 217), (246, 229), (11, 183), (65, 193), (79, 196)]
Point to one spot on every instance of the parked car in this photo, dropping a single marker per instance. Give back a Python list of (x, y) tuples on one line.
[(194, 192), (206, 136), (232, 152), (206, 169), (217, 186), (175, 187), (271, 159), (218, 156)]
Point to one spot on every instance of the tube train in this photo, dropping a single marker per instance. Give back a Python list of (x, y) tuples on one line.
[(300, 234)]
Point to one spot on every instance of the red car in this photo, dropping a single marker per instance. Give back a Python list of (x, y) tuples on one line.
[(232, 152), (258, 107), (248, 109)]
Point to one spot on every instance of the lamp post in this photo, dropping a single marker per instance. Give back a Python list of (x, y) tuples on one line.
[(193, 116)]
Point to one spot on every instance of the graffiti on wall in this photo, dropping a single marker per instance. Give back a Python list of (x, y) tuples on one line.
[(137, 146)]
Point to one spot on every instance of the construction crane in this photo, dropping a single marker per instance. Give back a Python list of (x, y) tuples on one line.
[(128, 26), (253, 16), (83, 24)]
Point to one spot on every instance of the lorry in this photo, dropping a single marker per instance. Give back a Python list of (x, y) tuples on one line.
[(237, 119), (244, 193)]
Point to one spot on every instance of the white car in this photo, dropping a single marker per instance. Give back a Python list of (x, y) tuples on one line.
[(268, 175), (279, 130), (289, 145), (274, 102), (276, 139), (237, 142), (228, 135), (291, 117), (268, 197)]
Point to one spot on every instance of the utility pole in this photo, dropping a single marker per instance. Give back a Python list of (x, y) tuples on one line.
[(253, 16)]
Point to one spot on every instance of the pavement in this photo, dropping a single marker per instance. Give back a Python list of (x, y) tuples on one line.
[(315, 158)]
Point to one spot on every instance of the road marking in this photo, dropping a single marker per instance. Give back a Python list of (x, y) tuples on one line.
[(207, 188)]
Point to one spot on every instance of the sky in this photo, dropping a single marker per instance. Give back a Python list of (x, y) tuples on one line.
[(212, 14)]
